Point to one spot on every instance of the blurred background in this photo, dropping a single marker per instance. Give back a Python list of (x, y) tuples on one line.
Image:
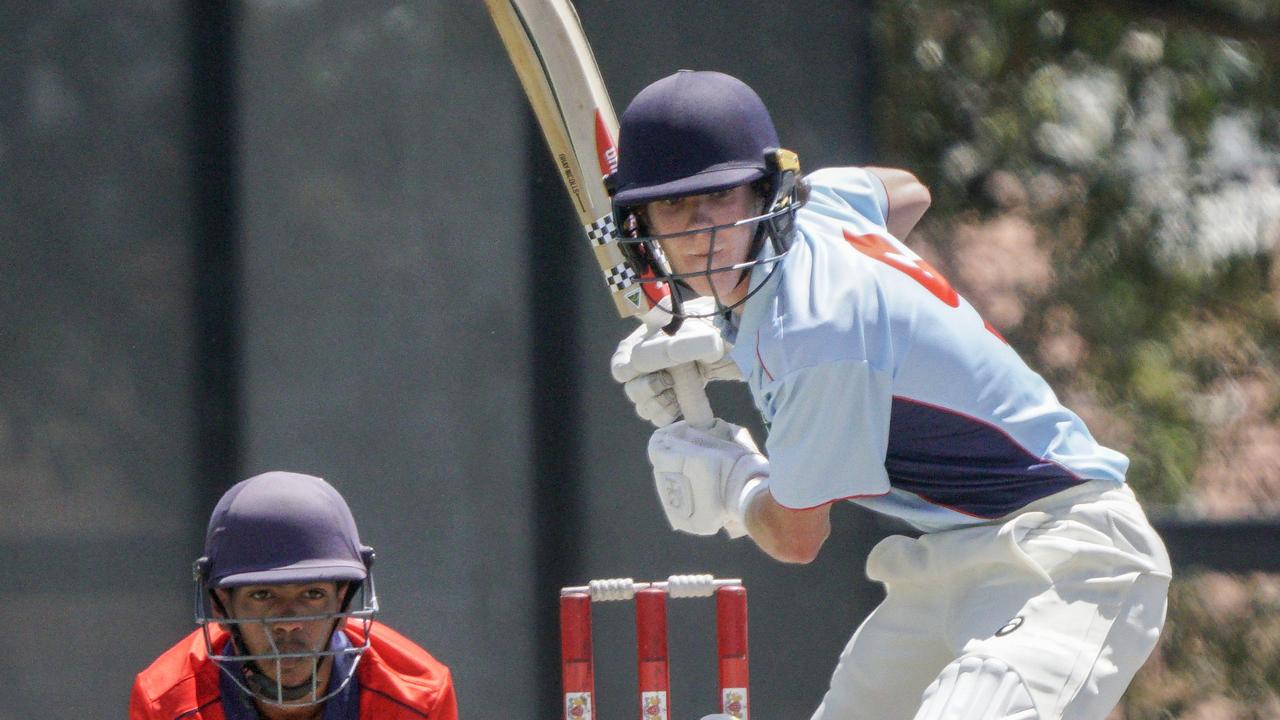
[(324, 236)]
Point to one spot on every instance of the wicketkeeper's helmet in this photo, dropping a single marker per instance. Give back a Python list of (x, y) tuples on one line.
[(284, 528)]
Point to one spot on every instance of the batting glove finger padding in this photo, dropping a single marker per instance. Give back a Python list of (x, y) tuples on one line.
[(706, 478), (649, 349), (696, 341), (642, 360), (723, 369), (654, 398)]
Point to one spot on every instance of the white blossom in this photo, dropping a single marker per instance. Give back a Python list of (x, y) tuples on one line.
[(929, 55), (962, 162), (1051, 25), (1241, 218), (1234, 147), (1087, 106), (1142, 47), (1155, 155)]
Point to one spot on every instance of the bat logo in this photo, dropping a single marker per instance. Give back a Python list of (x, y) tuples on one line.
[(633, 296), (570, 180), (606, 150)]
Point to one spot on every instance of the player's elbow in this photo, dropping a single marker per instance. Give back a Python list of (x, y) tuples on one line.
[(917, 197), (908, 199), (796, 553), (908, 205), (801, 539)]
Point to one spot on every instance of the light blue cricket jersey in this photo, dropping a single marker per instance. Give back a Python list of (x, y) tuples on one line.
[(881, 385)]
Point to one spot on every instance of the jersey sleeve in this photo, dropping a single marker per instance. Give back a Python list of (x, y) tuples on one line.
[(836, 191), (829, 433), (446, 706), (139, 704)]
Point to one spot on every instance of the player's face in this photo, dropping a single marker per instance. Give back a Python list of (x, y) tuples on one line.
[(283, 635), (690, 253)]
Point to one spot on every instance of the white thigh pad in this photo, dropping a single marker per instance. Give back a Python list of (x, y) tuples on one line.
[(977, 688)]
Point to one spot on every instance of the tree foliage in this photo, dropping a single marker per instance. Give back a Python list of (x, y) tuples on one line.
[(1106, 182), (1107, 190)]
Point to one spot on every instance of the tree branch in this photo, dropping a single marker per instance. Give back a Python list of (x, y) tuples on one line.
[(1186, 15)]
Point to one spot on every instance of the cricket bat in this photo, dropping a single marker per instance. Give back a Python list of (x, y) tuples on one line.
[(553, 60)]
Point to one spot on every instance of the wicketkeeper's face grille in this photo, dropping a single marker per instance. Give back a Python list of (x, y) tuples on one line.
[(290, 660)]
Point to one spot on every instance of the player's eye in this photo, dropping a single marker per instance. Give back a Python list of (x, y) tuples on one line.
[(260, 595), (316, 594)]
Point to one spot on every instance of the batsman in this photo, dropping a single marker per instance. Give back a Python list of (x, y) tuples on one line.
[(1036, 587)]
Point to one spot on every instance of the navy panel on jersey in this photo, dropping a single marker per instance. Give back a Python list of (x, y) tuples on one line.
[(964, 464)]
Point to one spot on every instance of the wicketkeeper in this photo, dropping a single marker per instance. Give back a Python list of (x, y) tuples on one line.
[(285, 605)]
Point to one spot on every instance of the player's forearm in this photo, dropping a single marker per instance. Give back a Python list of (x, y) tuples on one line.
[(791, 536), (908, 199)]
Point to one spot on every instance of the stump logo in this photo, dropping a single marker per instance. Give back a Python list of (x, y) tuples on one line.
[(734, 702), (578, 706), (653, 706)]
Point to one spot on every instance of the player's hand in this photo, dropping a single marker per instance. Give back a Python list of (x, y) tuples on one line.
[(706, 478), (643, 358)]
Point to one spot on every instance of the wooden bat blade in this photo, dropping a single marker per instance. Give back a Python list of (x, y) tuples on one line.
[(558, 72)]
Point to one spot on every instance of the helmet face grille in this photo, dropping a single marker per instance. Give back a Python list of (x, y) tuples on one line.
[(252, 673), (783, 198)]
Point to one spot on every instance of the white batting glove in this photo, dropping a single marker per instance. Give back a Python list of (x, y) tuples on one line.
[(707, 478), (642, 359)]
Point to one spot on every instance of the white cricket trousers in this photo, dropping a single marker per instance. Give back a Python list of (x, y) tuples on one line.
[(1069, 593)]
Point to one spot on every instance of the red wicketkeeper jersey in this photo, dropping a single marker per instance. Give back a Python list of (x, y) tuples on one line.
[(398, 681)]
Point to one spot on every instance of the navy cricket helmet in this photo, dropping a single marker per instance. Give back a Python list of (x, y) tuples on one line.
[(282, 528), (691, 133)]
